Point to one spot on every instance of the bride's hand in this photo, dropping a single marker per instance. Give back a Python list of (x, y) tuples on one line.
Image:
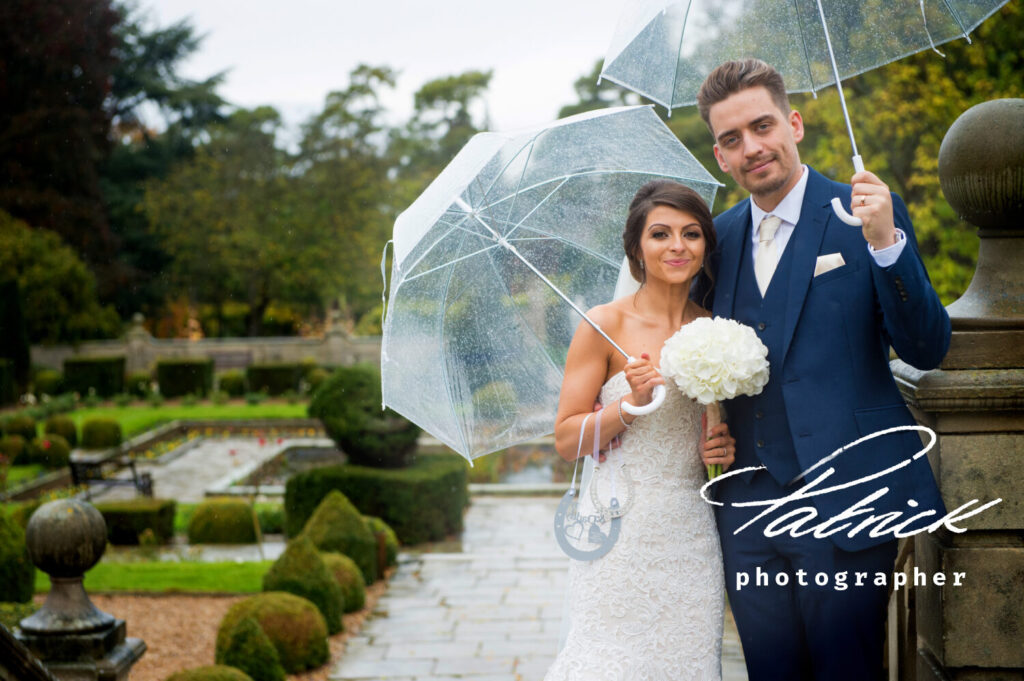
[(720, 447), (642, 377)]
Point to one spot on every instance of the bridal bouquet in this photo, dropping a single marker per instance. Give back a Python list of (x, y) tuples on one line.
[(715, 359)]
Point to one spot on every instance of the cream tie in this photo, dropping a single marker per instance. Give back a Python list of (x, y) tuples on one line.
[(767, 256)]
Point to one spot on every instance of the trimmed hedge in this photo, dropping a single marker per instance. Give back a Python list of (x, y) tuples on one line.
[(213, 672), (21, 424), (101, 433), (274, 379), (104, 374), (249, 650), (17, 573), (423, 502), (189, 376), (336, 525), (13, 448), (63, 426), (348, 404), (48, 382), (349, 577), (379, 527), (138, 383), (50, 450), (293, 625), (302, 572), (232, 382), (128, 519), (222, 521)]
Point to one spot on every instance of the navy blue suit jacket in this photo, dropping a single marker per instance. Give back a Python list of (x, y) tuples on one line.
[(835, 373)]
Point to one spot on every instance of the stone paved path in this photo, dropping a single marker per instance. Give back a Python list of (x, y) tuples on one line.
[(489, 613)]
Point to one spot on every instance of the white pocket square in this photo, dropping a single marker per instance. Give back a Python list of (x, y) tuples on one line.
[(827, 263)]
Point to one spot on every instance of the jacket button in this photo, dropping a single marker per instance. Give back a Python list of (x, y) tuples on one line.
[(761, 326), (759, 414), (760, 443)]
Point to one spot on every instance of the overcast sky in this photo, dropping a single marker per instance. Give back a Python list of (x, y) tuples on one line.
[(291, 53)]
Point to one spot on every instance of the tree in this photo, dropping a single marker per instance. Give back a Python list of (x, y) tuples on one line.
[(592, 96), (58, 291), (56, 61)]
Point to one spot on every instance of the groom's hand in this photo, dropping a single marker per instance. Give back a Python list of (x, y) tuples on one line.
[(720, 447), (871, 201)]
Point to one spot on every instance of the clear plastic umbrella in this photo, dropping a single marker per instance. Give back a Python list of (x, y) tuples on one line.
[(496, 260), (663, 49)]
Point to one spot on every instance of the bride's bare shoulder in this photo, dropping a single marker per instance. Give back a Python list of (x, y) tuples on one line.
[(608, 316)]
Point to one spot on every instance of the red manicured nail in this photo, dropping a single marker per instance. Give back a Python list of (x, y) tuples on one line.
[(645, 355)]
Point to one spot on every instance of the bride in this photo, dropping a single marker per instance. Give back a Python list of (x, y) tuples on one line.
[(652, 607)]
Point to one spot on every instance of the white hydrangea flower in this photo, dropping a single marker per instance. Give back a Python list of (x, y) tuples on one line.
[(717, 359)]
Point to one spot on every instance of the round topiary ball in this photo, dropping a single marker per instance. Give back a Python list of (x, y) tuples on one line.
[(348, 403), (293, 625), (17, 573), (300, 571), (214, 672), (101, 433), (349, 577), (378, 527), (63, 426), (12, 447), (251, 651), (50, 450), (337, 526), (222, 521), (22, 425)]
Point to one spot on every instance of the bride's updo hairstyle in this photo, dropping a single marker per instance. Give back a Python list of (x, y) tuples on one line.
[(673, 195)]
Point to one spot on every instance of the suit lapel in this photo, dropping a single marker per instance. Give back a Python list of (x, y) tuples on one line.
[(731, 249), (806, 243)]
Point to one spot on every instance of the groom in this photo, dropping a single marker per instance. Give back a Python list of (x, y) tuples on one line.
[(828, 300)]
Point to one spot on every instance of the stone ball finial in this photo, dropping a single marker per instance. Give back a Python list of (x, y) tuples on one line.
[(981, 165), (66, 537)]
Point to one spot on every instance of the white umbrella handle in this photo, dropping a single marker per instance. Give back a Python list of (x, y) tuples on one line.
[(837, 205), (656, 399)]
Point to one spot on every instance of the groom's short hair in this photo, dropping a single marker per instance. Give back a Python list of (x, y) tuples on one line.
[(735, 76)]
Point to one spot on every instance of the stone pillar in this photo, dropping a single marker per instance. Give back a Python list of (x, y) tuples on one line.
[(69, 635), (975, 404), (137, 346)]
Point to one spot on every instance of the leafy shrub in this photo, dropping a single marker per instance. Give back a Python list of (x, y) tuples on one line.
[(301, 571), (219, 397), (48, 382), (50, 450), (213, 672), (189, 400), (104, 374), (101, 433), (316, 378), (271, 517), (293, 625), (349, 577), (155, 399), (17, 573), (123, 399), (233, 383), (348, 404), (337, 526), (273, 379), (178, 377), (423, 502), (63, 426), (138, 383), (380, 530), (222, 521), (21, 424), (12, 613), (128, 519), (255, 398), (13, 448), (250, 651)]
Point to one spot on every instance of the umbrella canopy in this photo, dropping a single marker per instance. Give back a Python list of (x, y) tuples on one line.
[(663, 49), (475, 338)]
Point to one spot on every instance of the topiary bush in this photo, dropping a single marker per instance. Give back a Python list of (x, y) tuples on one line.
[(189, 376), (316, 378), (101, 433), (293, 625), (381, 530), (21, 424), (48, 382), (51, 451), (138, 383), (128, 519), (301, 571), (274, 379), (17, 573), (232, 382), (337, 526), (13, 448), (250, 650), (103, 374), (349, 577), (222, 521), (213, 672), (424, 502), (348, 403), (63, 426)]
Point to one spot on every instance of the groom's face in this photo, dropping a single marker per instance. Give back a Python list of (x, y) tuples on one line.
[(755, 142)]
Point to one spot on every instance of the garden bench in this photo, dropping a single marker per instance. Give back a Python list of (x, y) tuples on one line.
[(88, 470)]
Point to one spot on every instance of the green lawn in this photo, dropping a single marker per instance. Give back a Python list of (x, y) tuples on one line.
[(19, 474), (135, 419), (163, 577)]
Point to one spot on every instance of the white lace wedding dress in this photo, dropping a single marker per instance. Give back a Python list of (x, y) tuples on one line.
[(651, 609)]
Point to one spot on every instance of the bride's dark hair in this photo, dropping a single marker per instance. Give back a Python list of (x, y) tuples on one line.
[(682, 198)]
